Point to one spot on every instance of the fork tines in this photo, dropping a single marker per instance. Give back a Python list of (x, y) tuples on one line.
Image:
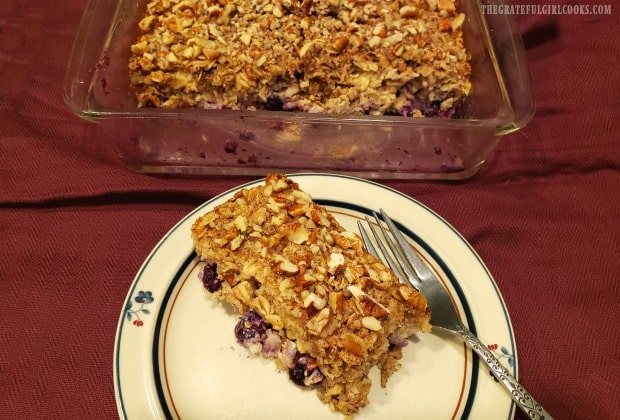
[(394, 248)]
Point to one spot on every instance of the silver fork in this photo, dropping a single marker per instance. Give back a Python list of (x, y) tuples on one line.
[(409, 267)]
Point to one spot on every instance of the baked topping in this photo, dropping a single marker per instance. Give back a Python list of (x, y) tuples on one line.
[(339, 56)]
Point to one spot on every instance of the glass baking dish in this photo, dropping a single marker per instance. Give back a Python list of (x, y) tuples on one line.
[(226, 142)]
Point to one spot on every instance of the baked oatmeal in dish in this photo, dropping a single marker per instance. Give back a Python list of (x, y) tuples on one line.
[(400, 57), (308, 293)]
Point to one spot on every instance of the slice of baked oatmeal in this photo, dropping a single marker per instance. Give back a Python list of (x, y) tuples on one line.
[(309, 293)]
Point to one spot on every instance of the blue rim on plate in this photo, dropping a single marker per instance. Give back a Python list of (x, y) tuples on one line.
[(150, 338)]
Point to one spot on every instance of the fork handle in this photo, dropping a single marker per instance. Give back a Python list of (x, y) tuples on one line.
[(520, 396)]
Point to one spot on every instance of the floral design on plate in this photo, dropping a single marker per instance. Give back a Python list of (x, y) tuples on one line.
[(142, 298), (500, 354)]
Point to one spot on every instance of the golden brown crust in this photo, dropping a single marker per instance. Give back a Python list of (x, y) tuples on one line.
[(337, 56), (288, 259)]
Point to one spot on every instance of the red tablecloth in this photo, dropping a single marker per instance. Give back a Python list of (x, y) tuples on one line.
[(75, 226)]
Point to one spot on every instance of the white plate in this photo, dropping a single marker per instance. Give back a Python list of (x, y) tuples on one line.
[(176, 355)]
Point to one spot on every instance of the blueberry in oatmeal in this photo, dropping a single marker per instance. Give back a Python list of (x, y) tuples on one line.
[(304, 373), (209, 278), (250, 328)]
